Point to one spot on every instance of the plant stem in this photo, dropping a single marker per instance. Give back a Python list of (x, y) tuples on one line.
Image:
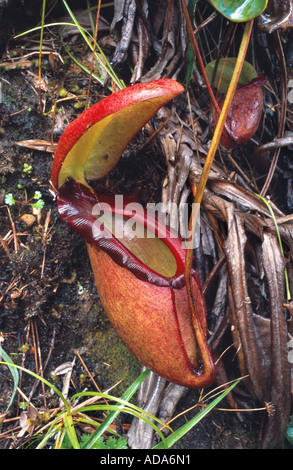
[(224, 112), (208, 366)]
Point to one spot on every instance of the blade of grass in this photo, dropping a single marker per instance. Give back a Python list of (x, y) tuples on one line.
[(58, 393), (70, 430), (67, 415), (36, 28), (179, 433), (118, 82), (80, 65), (101, 58), (111, 417), (53, 431), (108, 397), (128, 410)]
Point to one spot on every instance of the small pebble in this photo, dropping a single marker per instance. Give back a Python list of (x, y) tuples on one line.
[(28, 219)]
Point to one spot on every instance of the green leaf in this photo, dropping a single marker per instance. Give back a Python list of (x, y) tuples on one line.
[(225, 71), (110, 443), (9, 199), (39, 204), (99, 444), (37, 195), (113, 443), (240, 10), (27, 168)]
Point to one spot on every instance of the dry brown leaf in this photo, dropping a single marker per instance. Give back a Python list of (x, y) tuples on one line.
[(38, 144)]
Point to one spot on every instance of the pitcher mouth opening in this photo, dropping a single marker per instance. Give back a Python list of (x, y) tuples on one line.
[(144, 245)]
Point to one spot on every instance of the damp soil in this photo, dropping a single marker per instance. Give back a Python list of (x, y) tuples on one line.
[(49, 305), (46, 279)]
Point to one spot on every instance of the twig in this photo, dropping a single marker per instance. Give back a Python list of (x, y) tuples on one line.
[(88, 372), (25, 397), (91, 377), (52, 343), (45, 233), (16, 245), (153, 134), (38, 361), (5, 247)]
